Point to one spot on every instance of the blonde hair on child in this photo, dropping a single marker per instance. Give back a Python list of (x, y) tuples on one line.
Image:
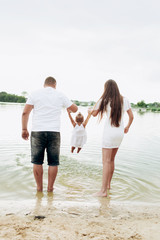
[(79, 118)]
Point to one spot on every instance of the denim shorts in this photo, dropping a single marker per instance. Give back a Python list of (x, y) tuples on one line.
[(49, 141)]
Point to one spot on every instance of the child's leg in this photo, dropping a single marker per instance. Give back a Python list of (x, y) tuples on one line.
[(72, 149), (79, 149)]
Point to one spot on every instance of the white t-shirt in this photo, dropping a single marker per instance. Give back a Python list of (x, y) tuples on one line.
[(48, 103)]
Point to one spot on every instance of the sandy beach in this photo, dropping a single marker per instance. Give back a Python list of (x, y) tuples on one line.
[(76, 222)]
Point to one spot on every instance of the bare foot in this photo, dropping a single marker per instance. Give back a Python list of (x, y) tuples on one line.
[(100, 194), (50, 189), (39, 195), (72, 149), (50, 194), (78, 150)]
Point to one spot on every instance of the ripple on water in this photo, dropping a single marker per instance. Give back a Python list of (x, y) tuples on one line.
[(136, 177)]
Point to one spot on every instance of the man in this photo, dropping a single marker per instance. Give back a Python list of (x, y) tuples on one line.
[(46, 104)]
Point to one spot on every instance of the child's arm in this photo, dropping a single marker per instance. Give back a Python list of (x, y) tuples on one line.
[(87, 119), (72, 121)]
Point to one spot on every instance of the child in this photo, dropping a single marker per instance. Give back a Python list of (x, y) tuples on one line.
[(79, 136)]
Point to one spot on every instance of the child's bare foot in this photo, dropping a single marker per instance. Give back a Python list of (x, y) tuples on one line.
[(78, 150), (72, 149), (101, 194)]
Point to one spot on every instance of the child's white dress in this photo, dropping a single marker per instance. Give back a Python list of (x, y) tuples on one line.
[(79, 136)]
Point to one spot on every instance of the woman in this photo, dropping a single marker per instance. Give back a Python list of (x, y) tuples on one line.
[(113, 105)]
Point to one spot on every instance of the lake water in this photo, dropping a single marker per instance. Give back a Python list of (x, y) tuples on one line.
[(137, 170)]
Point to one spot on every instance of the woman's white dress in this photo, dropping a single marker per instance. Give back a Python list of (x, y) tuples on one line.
[(113, 136), (79, 136)]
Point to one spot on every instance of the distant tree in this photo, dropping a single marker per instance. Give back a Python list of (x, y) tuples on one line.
[(142, 104), (133, 105), (76, 102), (6, 97), (92, 103), (153, 109), (84, 104), (24, 94)]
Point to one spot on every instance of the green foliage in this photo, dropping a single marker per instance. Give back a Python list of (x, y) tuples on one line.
[(153, 107), (6, 97), (79, 103), (24, 94), (76, 102), (133, 105), (92, 103), (142, 104)]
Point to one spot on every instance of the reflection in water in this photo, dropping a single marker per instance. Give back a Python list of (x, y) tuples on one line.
[(104, 208), (38, 204), (43, 206)]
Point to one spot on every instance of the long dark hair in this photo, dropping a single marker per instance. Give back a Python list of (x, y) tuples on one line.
[(112, 96)]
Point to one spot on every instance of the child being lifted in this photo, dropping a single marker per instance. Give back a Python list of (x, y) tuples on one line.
[(79, 135)]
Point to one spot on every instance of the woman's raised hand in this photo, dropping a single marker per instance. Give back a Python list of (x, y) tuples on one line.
[(90, 110)]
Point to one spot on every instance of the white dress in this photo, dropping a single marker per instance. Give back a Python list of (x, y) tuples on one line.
[(79, 136), (113, 136)]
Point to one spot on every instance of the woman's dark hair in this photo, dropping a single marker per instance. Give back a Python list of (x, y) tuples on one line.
[(112, 96)]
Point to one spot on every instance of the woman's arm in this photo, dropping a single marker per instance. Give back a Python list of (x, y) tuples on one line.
[(87, 119), (95, 110), (131, 117), (95, 113), (72, 121)]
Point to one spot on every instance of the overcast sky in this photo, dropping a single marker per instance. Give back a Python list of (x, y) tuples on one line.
[(82, 44)]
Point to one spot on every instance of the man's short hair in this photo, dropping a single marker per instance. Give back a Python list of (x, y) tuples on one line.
[(50, 81)]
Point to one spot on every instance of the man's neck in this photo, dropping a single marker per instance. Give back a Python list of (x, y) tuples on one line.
[(52, 86)]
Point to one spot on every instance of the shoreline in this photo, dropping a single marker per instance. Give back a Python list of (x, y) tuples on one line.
[(75, 221)]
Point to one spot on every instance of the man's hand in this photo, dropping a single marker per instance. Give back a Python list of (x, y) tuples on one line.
[(69, 111), (25, 134)]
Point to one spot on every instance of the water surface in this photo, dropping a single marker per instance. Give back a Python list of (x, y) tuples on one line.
[(136, 178)]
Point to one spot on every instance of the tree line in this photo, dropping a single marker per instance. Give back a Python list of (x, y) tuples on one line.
[(154, 107), (7, 97)]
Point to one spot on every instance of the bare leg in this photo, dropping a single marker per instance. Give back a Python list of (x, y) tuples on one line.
[(114, 151), (106, 156), (78, 150), (38, 174), (72, 149), (52, 173)]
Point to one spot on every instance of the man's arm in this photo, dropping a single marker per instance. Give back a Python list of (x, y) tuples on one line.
[(73, 108), (25, 116)]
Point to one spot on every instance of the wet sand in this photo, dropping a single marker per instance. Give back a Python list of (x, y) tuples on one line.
[(76, 221)]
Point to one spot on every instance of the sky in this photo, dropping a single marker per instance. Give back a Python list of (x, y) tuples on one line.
[(82, 44)]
